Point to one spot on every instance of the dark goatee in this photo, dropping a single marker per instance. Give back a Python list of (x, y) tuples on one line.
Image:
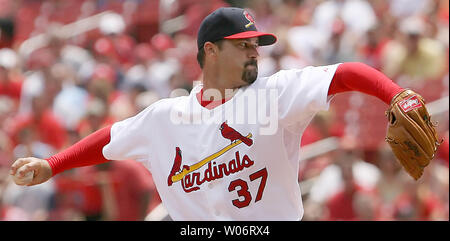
[(250, 72)]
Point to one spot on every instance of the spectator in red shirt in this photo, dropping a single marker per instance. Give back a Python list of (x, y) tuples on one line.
[(68, 199), (418, 202), (10, 80), (44, 124), (8, 87), (121, 190), (353, 202), (340, 205)]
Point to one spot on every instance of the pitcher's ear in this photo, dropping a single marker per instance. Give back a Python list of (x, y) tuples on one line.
[(210, 48)]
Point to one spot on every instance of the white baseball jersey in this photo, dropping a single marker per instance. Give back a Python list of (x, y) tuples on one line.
[(237, 161)]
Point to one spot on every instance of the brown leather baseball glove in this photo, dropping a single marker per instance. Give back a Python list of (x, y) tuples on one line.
[(410, 133)]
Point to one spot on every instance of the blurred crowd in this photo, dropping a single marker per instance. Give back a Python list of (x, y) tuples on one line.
[(61, 81)]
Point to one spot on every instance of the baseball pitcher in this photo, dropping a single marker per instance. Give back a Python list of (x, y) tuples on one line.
[(230, 150)]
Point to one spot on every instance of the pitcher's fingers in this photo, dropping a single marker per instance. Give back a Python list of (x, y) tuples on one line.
[(23, 170), (17, 164)]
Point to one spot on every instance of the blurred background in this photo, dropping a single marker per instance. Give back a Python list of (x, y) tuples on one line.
[(70, 67)]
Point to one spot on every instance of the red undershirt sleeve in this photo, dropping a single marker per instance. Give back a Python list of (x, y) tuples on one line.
[(354, 76), (86, 152)]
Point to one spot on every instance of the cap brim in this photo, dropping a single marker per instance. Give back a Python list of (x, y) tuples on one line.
[(263, 38)]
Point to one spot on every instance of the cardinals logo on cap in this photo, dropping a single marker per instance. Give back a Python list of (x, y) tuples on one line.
[(249, 18)]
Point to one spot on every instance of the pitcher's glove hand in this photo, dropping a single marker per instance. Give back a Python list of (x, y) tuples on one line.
[(410, 133)]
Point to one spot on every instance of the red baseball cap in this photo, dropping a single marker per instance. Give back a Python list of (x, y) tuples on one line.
[(231, 23)]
